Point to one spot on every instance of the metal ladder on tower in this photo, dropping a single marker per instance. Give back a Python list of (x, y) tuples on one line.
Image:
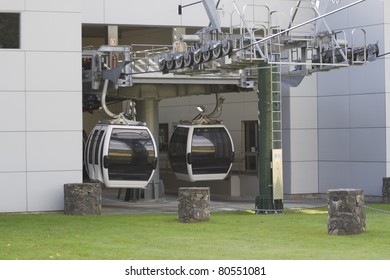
[(275, 56), (276, 118)]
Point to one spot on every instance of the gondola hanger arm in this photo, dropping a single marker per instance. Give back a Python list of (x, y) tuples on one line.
[(120, 118), (203, 118), (218, 107), (104, 105)]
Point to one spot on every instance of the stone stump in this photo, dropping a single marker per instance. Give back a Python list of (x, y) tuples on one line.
[(386, 190), (346, 213), (194, 204), (82, 199)]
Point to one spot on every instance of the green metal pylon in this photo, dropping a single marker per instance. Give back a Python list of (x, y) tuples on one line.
[(265, 202)]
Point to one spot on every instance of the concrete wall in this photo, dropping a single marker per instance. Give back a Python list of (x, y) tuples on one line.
[(300, 138), (386, 42), (40, 93), (352, 110)]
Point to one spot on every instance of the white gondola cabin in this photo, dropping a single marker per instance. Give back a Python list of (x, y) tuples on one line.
[(121, 156), (201, 152)]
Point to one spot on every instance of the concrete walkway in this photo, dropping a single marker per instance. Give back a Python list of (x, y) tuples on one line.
[(111, 204)]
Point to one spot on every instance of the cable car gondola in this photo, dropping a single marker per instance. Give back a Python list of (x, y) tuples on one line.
[(201, 150), (121, 153), (121, 156)]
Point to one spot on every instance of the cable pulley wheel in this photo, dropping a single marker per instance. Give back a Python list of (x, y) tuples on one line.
[(217, 51), (227, 47), (179, 62), (162, 65), (198, 57), (188, 59)]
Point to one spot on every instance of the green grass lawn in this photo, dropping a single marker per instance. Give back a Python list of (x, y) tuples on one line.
[(300, 235)]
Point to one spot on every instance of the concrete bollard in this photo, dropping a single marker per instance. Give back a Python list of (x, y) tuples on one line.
[(346, 213), (194, 204), (82, 199), (386, 190)]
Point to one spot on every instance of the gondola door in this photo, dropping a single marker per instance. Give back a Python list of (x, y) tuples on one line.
[(129, 157), (201, 152), (94, 146), (212, 153)]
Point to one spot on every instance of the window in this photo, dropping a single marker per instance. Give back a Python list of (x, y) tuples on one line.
[(9, 30), (131, 154), (163, 137), (251, 144), (178, 150), (211, 151)]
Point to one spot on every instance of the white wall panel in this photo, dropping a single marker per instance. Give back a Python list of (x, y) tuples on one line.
[(307, 88), (334, 144), (57, 111), (368, 177), (364, 12), (53, 151), (386, 49), (287, 142), (333, 82), (12, 151), (334, 112), (153, 12), (13, 192), (46, 189), (53, 71), (147, 12), (12, 113), (14, 5), (53, 6), (368, 144), (334, 175), (45, 31), (307, 108), (368, 110), (386, 11), (304, 177), (355, 101), (387, 152), (368, 78), (338, 20), (42, 78), (287, 169), (304, 145), (355, 15), (13, 75), (374, 34), (92, 11)]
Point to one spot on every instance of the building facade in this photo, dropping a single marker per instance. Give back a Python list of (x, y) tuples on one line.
[(335, 124), (41, 118)]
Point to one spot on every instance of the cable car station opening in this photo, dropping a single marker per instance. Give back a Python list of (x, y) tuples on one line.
[(212, 60)]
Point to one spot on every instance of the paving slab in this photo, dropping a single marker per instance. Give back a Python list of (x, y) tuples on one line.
[(111, 204)]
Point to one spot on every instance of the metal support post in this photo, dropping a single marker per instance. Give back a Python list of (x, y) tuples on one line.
[(148, 112), (265, 202)]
